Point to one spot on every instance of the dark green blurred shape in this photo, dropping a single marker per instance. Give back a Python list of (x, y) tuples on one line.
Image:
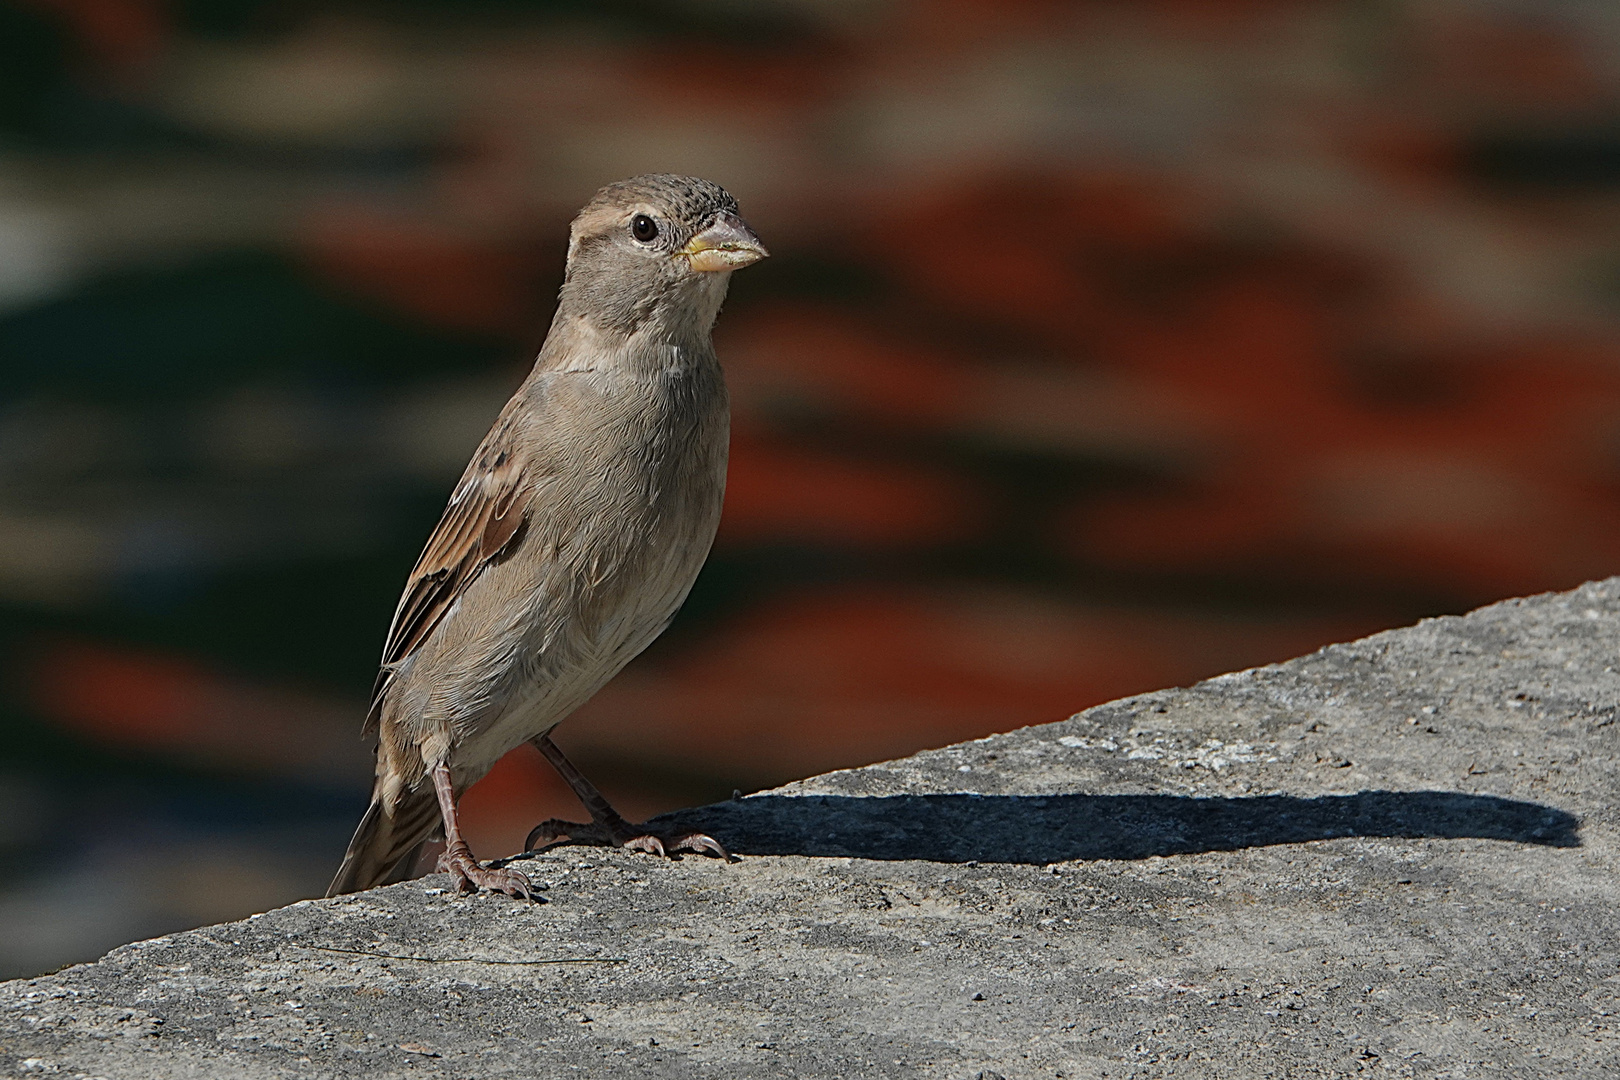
[(34, 54), (177, 332), (1571, 159)]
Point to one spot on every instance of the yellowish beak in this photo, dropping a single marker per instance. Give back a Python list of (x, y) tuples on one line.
[(728, 244)]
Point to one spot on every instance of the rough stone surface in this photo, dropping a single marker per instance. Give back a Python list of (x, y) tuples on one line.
[(1395, 856)]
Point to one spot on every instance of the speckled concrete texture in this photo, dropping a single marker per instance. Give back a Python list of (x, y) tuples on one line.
[(1391, 857)]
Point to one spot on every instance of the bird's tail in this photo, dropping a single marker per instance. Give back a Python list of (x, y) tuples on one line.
[(386, 846)]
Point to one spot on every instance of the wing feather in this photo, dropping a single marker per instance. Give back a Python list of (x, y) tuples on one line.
[(486, 511)]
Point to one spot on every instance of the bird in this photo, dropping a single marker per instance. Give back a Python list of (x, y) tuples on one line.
[(570, 541)]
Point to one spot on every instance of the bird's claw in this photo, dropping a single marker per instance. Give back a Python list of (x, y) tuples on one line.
[(702, 844), (694, 843), (554, 832), (649, 843), (471, 875)]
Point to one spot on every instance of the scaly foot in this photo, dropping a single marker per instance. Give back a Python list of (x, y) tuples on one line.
[(555, 831), (471, 875), (608, 827)]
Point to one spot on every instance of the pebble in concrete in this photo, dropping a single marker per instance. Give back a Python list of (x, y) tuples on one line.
[(1392, 857)]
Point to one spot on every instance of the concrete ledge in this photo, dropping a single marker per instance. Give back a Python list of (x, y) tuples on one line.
[(1395, 855)]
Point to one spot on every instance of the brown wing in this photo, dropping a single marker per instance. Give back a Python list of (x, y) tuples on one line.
[(486, 511)]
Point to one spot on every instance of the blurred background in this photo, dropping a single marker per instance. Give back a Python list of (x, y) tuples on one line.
[(1105, 346)]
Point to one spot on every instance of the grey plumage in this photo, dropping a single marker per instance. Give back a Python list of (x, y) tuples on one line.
[(578, 527)]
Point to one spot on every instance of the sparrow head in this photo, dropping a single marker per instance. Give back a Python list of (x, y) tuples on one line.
[(656, 250)]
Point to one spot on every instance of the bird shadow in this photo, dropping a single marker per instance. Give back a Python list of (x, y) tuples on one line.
[(1040, 829)]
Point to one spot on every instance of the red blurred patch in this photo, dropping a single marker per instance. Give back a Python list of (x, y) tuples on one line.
[(516, 795), (1500, 488), (434, 273), (1521, 64), (1053, 255), (121, 695), (802, 357), (773, 84), (777, 491), (166, 704)]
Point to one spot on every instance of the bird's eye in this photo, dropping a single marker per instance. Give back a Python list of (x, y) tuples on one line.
[(643, 228)]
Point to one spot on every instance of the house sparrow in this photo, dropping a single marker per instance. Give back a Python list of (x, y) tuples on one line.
[(572, 538)]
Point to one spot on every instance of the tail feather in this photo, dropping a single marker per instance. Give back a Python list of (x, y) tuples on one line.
[(385, 847)]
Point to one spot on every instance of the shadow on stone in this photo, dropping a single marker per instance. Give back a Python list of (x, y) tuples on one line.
[(1055, 828)]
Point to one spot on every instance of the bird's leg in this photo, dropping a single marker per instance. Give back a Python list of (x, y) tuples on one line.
[(607, 827), (458, 857)]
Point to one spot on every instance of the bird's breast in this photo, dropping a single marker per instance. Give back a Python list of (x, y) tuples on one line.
[(632, 519)]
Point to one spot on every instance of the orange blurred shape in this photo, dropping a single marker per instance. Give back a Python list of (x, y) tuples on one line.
[(434, 273), (778, 491), (155, 702)]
